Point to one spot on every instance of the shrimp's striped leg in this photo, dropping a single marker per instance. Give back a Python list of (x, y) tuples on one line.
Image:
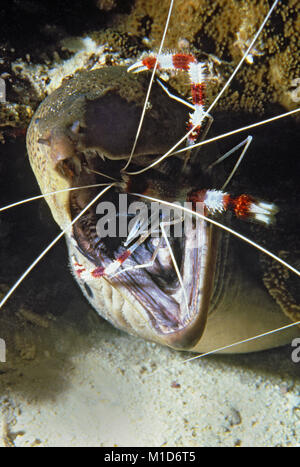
[(105, 271)]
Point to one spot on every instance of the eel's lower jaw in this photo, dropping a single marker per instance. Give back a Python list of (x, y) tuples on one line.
[(202, 263)]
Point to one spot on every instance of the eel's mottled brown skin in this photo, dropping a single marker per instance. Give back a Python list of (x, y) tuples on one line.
[(100, 111)]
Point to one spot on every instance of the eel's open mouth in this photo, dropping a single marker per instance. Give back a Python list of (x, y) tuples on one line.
[(175, 304)]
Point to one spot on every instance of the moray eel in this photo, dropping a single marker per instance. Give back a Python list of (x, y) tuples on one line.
[(85, 130)]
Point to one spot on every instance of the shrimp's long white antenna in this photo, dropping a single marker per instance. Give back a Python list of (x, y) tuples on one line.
[(247, 143), (238, 130), (210, 140), (50, 193), (150, 86), (258, 336), (45, 251), (175, 267), (224, 227), (219, 349)]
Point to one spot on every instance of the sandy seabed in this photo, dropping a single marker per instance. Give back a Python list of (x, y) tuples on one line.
[(83, 383)]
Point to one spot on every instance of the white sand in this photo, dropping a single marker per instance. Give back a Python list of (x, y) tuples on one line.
[(87, 384)]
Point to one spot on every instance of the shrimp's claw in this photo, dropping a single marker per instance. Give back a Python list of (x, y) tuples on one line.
[(137, 67), (263, 212), (246, 206)]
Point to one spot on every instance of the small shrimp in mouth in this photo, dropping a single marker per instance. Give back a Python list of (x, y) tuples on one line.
[(189, 292)]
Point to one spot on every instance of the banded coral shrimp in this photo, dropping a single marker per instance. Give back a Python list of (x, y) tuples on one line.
[(239, 226)]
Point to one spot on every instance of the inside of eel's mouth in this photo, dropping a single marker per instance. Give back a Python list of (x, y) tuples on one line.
[(176, 303)]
